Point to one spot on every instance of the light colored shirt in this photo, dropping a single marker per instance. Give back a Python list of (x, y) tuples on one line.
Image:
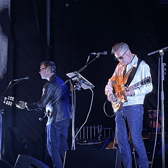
[(142, 73)]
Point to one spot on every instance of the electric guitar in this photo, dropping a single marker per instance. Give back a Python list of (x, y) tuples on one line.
[(118, 104)]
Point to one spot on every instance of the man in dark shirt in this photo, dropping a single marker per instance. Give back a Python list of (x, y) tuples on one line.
[(56, 101)]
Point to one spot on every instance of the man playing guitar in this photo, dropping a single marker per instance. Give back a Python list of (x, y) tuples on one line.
[(127, 102)]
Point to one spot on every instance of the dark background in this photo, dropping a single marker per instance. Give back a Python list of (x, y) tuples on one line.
[(78, 27)]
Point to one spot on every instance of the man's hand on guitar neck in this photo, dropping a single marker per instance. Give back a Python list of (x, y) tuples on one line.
[(21, 105)]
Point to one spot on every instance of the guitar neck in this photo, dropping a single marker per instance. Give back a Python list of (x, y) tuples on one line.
[(142, 82)]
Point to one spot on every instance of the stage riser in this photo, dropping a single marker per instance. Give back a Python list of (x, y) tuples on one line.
[(104, 158)]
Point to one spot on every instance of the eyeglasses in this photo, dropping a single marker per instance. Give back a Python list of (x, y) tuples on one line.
[(120, 57), (41, 69)]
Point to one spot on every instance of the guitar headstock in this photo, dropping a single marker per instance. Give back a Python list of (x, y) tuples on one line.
[(8, 100)]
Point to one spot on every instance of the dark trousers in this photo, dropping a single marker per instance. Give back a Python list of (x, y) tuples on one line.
[(57, 134), (133, 117)]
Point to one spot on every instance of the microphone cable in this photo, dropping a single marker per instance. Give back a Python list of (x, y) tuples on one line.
[(87, 114)]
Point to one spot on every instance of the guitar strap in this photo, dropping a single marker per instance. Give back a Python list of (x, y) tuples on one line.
[(132, 74)]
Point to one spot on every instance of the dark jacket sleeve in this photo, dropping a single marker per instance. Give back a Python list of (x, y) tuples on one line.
[(47, 93)]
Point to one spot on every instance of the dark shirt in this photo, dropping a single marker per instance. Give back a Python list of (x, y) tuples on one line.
[(55, 99)]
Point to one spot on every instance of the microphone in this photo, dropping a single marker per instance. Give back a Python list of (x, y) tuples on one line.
[(99, 53), (26, 78)]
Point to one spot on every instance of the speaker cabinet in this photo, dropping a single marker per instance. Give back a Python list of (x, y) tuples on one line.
[(25, 161), (106, 158)]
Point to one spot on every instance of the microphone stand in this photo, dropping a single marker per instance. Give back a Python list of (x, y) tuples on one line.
[(74, 87), (88, 63), (161, 52)]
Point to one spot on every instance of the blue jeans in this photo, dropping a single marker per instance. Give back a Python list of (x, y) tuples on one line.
[(57, 134), (131, 116)]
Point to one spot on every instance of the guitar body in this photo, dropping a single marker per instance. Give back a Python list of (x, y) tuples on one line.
[(116, 106), (120, 97)]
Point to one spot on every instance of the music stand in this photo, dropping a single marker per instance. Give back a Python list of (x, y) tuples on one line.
[(77, 81), (83, 83)]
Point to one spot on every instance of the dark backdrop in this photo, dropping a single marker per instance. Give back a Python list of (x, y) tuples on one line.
[(78, 27)]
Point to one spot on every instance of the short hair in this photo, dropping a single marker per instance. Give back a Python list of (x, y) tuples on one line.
[(50, 65), (119, 45)]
